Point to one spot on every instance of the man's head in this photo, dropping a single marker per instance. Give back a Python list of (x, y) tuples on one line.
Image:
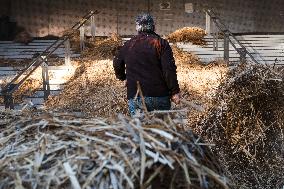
[(145, 23)]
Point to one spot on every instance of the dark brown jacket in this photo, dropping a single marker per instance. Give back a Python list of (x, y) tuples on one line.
[(147, 58)]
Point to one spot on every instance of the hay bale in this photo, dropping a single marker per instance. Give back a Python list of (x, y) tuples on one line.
[(246, 123), (56, 150), (194, 35)]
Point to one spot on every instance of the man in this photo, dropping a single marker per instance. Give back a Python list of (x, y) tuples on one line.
[(147, 64)]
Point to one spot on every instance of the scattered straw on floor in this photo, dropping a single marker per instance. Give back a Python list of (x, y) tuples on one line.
[(93, 90), (198, 86), (48, 150)]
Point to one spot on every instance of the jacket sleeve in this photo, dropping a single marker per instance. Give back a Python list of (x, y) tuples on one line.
[(169, 69), (119, 66)]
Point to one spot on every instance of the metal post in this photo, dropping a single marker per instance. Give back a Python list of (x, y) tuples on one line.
[(82, 37), (226, 45), (216, 40), (208, 24), (243, 54), (215, 37), (45, 80), (93, 27), (8, 101), (67, 52)]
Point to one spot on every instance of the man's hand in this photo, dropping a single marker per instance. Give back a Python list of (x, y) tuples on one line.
[(176, 98)]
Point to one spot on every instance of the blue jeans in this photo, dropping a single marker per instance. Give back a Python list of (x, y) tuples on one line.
[(152, 103)]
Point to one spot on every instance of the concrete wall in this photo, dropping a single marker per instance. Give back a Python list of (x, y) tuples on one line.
[(5, 7), (52, 17)]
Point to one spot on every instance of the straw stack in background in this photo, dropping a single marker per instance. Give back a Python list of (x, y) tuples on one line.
[(99, 48), (194, 35), (23, 37)]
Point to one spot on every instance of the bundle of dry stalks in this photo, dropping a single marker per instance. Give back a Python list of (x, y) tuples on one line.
[(194, 35), (246, 123), (49, 150)]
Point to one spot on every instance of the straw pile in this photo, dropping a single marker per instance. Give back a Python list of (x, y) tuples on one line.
[(99, 48), (74, 37), (49, 150), (198, 82), (183, 57), (246, 123), (23, 37), (103, 49), (194, 35), (93, 90), (96, 92), (9, 62), (28, 88), (53, 60)]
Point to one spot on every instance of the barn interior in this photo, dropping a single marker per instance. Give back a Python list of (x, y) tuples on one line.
[(64, 118)]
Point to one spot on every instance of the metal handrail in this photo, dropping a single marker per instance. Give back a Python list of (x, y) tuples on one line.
[(224, 29), (11, 87)]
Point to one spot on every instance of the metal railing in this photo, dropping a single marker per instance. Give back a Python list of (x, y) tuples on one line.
[(41, 60), (229, 38)]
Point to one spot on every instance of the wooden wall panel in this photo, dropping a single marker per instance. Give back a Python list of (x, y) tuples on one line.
[(52, 17)]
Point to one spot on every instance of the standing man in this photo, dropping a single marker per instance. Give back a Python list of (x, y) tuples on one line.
[(146, 61)]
